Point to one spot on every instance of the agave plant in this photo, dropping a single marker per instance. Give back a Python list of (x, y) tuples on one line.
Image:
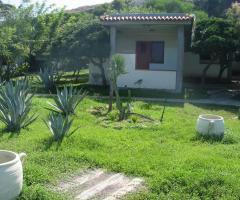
[(47, 77), (15, 105), (59, 126), (67, 100)]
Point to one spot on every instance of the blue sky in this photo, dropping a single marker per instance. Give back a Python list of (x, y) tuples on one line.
[(60, 3)]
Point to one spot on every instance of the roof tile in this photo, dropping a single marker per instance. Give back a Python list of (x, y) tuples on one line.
[(147, 17)]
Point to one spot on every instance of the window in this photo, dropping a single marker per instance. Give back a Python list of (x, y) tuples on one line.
[(149, 53), (157, 52)]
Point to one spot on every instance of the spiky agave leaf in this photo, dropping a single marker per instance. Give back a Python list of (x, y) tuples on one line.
[(47, 77), (59, 126), (67, 100), (15, 105)]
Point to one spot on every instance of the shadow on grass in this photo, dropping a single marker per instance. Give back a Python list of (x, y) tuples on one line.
[(146, 104), (2, 132), (50, 142), (214, 108), (10, 134), (224, 139)]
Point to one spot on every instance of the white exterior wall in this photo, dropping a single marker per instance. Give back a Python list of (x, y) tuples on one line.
[(126, 46), (150, 79)]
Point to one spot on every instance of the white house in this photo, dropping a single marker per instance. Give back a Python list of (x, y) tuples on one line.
[(155, 49)]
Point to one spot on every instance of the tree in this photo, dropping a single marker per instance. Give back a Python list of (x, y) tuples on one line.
[(84, 42), (214, 8), (95, 45), (45, 29), (25, 32), (170, 6), (114, 70), (13, 50), (233, 14), (119, 5), (217, 42), (41, 26), (5, 9)]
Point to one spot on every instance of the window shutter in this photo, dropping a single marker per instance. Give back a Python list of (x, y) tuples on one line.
[(143, 55)]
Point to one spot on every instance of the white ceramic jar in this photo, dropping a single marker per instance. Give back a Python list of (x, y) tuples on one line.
[(11, 174), (211, 125)]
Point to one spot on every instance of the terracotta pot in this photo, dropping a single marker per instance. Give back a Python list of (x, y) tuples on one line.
[(11, 174), (211, 125)]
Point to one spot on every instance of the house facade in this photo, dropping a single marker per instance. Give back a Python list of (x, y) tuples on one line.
[(155, 50)]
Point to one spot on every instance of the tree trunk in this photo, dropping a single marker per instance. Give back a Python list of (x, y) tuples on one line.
[(104, 80), (101, 67), (229, 73), (205, 73), (8, 73), (110, 98), (1, 62), (118, 100), (222, 69)]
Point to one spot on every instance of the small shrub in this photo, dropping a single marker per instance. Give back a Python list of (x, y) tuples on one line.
[(15, 105), (147, 106), (134, 119), (59, 126), (97, 111), (229, 137), (113, 116), (67, 100)]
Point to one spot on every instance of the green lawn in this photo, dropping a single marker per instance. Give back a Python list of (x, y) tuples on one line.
[(173, 162)]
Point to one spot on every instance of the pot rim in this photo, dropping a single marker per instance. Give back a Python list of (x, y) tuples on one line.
[(11, 162), (214, 117)]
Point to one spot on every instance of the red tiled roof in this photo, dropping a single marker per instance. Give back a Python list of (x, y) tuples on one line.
[(147, 17)]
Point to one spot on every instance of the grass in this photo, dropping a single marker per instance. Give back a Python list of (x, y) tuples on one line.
[(173, 161)]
